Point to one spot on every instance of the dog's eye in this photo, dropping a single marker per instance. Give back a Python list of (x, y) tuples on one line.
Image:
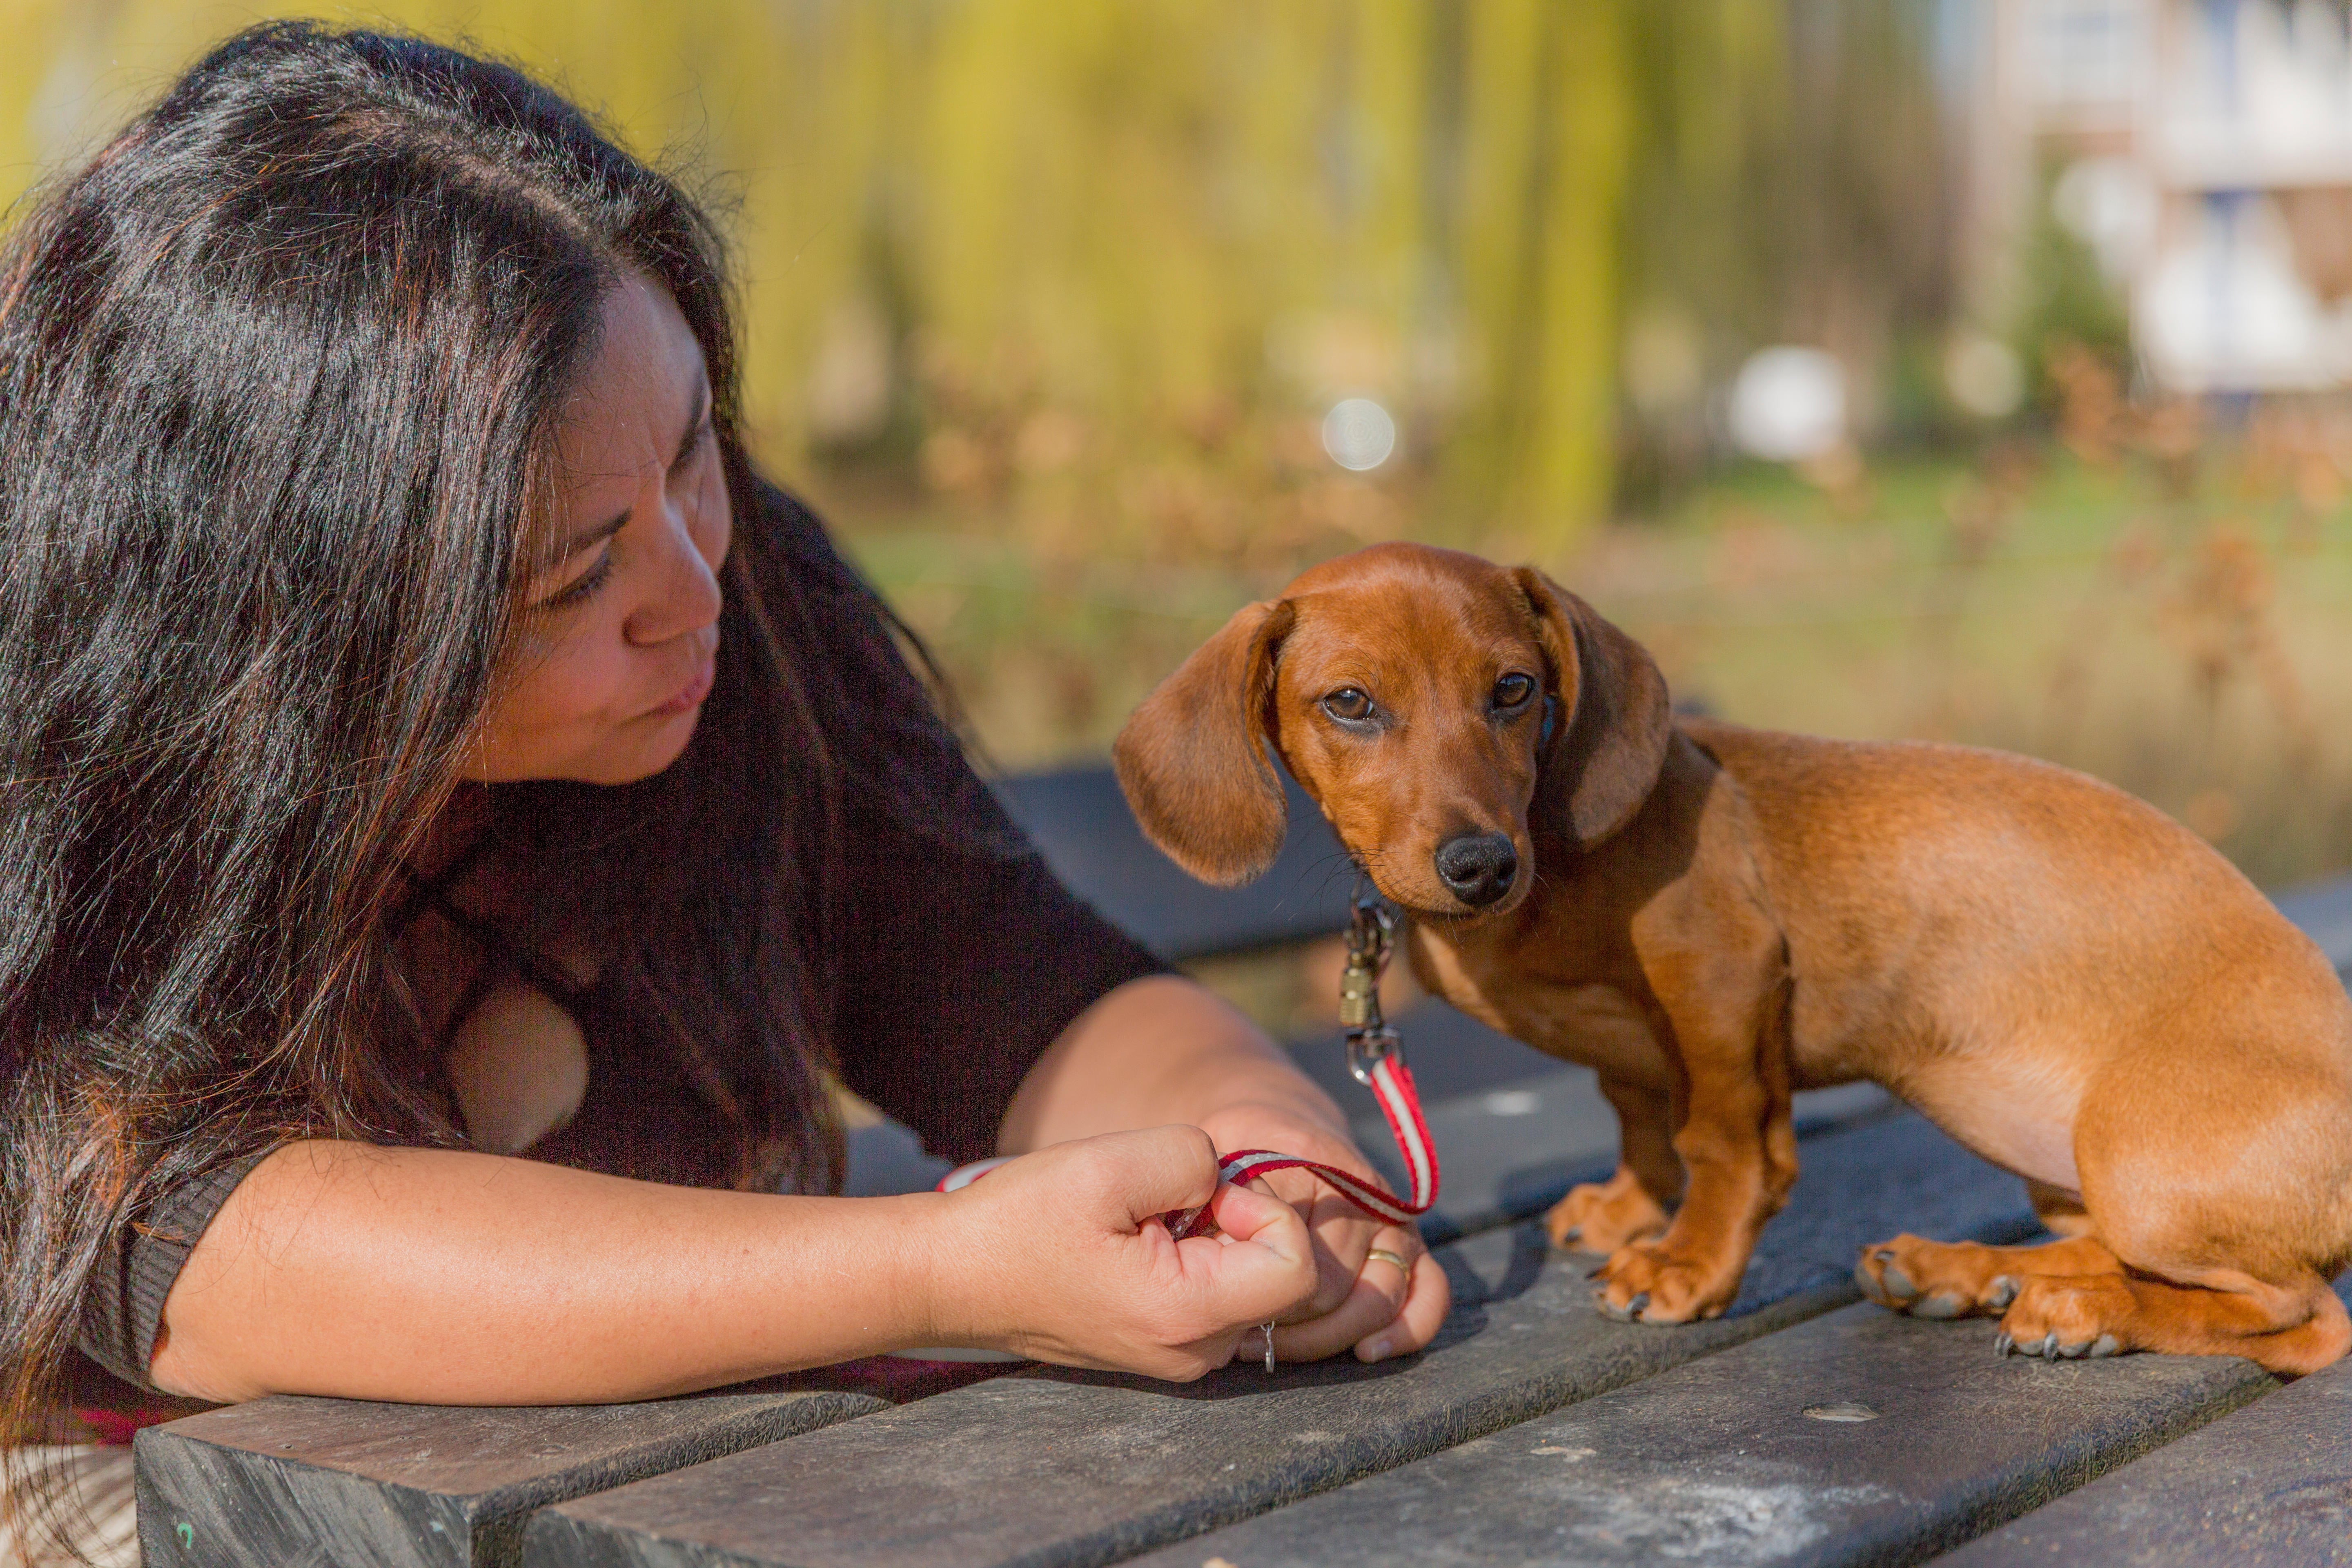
[(1513, 691), (1350, 705)]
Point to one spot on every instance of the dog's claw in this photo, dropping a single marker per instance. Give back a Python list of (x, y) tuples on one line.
[(1897, 1284), (2003, 1346), (1634, 1308), (2003, 1292), (1610, 1309), (1942, 1304), (2104, 1345), (2046, 1347)]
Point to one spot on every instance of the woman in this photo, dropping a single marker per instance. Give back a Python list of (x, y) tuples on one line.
[(454, 816)]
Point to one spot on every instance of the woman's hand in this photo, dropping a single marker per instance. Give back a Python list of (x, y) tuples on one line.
[(1060, 1255), (1367, 1304), (1162, 1048)]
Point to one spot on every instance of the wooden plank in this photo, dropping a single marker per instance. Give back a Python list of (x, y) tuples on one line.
[(1862, 1437), (887, 1157), (1053, 1468), (1079, 821), (2269, 1487), (310, 1483)]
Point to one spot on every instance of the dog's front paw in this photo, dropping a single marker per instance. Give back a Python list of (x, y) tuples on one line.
[(1605, 1216), (1648, 1283)]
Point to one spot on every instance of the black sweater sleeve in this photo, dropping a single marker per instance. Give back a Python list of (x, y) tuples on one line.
[(958, 971), (957, 955)]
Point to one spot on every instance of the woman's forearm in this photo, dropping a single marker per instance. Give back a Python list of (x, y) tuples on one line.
[(441, 1277), (445, 1277), (455, 1277)]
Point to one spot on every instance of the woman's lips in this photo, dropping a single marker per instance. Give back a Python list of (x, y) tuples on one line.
[(691, 696)]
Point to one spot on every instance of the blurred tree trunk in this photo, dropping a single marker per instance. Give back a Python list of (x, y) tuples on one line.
[(1544, 141)]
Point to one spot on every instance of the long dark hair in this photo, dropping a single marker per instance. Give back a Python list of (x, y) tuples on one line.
[(278, 374)]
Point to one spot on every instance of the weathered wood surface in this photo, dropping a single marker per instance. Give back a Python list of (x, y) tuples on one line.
[(1050, 1468), (1717, 1462), (334, 1483), (2269, 1487)]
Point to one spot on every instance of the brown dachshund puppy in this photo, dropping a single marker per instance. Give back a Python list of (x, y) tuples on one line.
[(2067, 981)]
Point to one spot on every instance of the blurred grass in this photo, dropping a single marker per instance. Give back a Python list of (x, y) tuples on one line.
[(2164, 609)]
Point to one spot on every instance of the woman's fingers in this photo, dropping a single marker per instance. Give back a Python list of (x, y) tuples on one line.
[(1261, 1265), (1158, 1170), (1341, 1233), (1381, 1290), (1068, 1261), (1426, 1301)]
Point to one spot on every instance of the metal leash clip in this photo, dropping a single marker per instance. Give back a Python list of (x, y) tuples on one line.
[(1371, 937)]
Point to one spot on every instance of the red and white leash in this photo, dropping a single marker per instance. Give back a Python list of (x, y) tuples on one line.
[(1391, 1083)]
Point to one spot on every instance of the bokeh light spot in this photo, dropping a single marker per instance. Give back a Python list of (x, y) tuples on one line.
[(1359, 434), (1788, 404)]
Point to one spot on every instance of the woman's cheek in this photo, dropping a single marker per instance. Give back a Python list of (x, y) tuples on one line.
[(596, 690)]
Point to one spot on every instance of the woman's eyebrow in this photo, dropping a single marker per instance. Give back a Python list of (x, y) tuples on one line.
[(595, 536)]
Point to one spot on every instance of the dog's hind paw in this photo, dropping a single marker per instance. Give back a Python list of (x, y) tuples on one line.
[(2062, 1319), (1934, 1279)]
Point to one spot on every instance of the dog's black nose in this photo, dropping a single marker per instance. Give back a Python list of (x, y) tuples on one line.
[(1477, 867)]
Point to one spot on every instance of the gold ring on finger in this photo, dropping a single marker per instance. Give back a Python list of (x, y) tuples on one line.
[(1385, 1256)]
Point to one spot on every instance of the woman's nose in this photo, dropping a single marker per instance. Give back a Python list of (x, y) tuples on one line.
[(683, 593)]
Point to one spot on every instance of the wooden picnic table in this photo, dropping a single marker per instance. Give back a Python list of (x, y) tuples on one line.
[(1804, 1427)]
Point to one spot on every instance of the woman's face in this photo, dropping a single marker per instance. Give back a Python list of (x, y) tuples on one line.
[(619, 634)]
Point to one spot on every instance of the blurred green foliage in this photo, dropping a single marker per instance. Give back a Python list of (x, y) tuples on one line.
[(1061, 250), (1095, 268)]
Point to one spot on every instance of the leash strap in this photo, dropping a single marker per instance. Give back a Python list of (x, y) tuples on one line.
[(1376, 1059)]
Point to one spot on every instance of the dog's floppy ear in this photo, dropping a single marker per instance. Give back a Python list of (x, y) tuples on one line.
[(1604, 755), (1192, 759)]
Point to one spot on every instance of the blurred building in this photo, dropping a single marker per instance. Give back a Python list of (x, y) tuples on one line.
[(2203, 150)]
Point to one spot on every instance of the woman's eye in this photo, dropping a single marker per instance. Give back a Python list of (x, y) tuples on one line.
[(581, 589), (1513, 691), (697, 443), (1349, 704)]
